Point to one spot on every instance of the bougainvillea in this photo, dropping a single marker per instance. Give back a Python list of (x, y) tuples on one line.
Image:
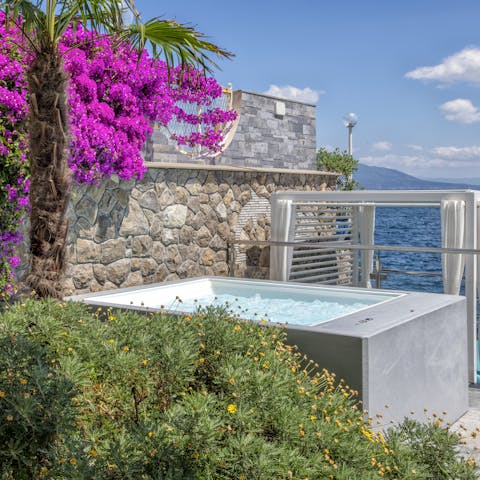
[(115, 94), (13, 162)]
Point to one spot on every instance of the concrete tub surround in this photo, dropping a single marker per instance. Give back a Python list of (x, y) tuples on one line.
[(174, 223), (407, 351), (402, 356)]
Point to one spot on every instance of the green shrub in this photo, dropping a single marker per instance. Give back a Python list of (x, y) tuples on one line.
[(429, 450), (34, 404), (131, 396)]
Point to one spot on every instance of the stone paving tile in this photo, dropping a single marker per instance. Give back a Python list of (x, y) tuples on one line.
[(469, 426)]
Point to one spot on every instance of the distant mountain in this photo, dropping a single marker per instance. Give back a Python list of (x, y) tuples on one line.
[(380, 178), (471, 181)]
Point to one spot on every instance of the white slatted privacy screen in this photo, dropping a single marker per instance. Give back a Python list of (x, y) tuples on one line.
[(317, 224)]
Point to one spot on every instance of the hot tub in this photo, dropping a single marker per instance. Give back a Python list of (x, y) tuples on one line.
[(407, 350), (295, 304)]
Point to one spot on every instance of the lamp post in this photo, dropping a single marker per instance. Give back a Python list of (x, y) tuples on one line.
[(350, 120)]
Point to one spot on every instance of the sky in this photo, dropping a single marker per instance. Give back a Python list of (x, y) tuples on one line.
[(410, 71)]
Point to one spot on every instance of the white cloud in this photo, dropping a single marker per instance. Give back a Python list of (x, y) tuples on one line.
[(306, 95), (462, 153), (461, 66), (399, 162), (450, 157), (382, 146), (460, 110), (417, 148)]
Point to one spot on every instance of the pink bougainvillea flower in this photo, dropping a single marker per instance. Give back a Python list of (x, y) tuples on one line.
[(114, 96)]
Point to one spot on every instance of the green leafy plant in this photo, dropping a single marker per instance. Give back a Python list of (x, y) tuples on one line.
[(35, 403), (428, 450), (203, 396), (340, 162)]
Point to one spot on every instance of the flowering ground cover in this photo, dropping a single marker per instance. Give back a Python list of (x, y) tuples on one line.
[(14, 181), (114, 96), (116, 394)]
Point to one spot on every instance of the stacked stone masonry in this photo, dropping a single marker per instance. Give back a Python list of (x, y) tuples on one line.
[(261, 139), (174, 223)]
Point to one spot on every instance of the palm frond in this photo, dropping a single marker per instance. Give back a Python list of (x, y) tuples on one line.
[(47, 21), (32, 16), (175, 42), (100, 15), (26, 15)]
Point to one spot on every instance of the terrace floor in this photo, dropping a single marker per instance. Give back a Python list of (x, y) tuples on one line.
[(469, 425)]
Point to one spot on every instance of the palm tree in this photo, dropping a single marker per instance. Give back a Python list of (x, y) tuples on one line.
[(43, 23)]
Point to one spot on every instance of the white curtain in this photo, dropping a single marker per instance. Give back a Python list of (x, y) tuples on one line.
[(453, 236), (366, 230), (283, 227)]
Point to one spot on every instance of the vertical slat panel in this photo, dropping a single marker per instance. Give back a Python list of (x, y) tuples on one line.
[(315, 224)]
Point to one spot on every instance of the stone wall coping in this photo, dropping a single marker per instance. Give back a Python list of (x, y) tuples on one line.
[(231, 168), (282, 99)]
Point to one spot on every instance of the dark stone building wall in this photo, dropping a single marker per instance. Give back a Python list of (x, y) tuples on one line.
[(262, 138)]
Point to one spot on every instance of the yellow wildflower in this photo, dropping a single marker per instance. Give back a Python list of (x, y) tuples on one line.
[(231, 408), (126, 348), (144, 362), (368, 433), (380, 437), (2, 394)]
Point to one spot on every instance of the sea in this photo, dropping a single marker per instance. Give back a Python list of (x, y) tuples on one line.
[(413, 227), (409, 227)]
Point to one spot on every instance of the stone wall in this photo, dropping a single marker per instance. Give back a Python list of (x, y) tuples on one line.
[(261, 139), (174, 223)]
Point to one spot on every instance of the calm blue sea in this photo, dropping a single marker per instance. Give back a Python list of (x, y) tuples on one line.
[(409, 226), (418, 227)]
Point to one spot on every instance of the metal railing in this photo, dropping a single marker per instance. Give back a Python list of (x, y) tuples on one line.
[(379, 273)]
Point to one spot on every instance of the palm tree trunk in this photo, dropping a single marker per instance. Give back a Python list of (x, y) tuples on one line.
[(49, 189)]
